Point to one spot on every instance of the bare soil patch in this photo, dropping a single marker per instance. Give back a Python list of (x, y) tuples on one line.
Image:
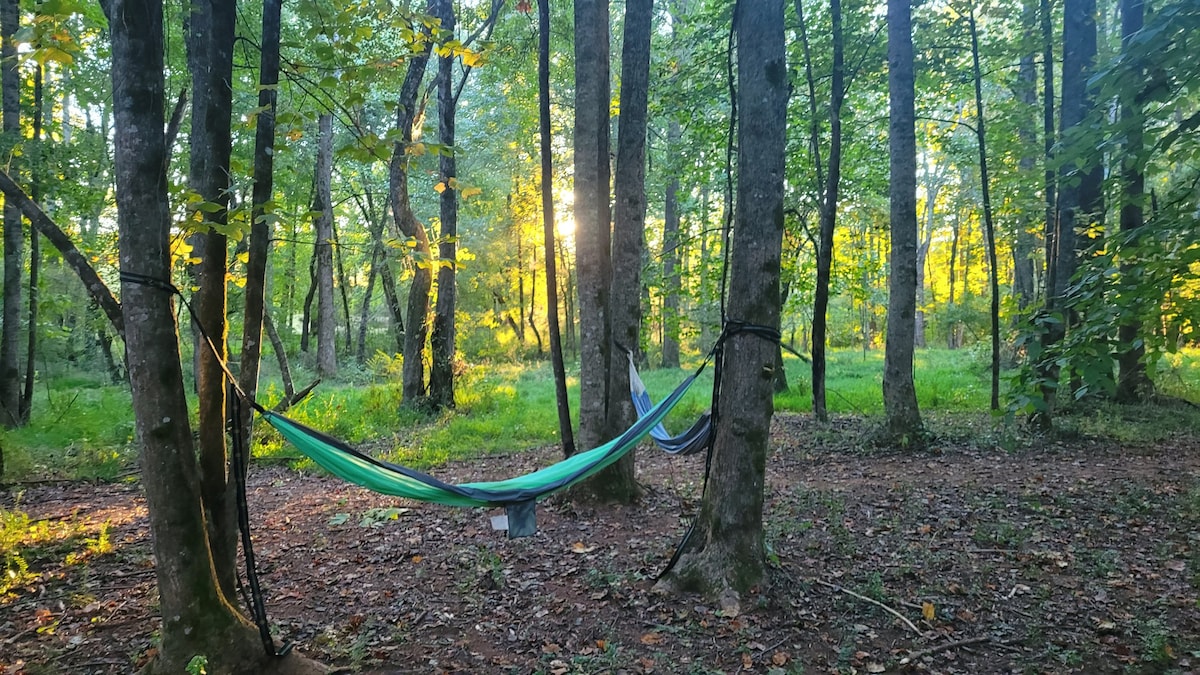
[(1079, 556)]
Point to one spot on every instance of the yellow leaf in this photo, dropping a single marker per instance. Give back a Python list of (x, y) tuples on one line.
[(471, 192), (416, 149), (439, 188), (928, 611), (580, 547)]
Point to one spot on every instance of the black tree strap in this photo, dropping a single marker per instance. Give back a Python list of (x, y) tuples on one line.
[(717, 354), (239, 458)]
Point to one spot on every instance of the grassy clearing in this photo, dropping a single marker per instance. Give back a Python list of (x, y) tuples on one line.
[(83, 428)]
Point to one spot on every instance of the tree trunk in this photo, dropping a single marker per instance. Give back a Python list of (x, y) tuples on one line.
[(306, 313), (326, 312), (210, 40), (672, 287), (285, 370), (364, 312), (441, 370), (593, 253), (1049, 179), (1079, 196), (1133, 384), (725, 555), (1025, 91), (254, 312), (413, 372), (932, 188), (341, 285), (989, 228), (618, 483), (197, 617), (828, 212), (899, 394), (547, 191), (35, 257), (14, 236)]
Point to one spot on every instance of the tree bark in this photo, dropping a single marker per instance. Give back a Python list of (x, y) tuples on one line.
[(618, 483), (14, 235), (899, 394), (413, 371), (548, 235), (441, 369), (1133, 384), (593, 259), (326, 312), (210, 40), (725, 555)]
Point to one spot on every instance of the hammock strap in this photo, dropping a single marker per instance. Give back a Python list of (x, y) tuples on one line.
[(239, 458), (717, 354)]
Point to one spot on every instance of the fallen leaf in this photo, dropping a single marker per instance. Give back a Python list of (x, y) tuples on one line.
[(652, 639), (780, 658), (876, 668), (580, 547), (747, 662), (928, 611)]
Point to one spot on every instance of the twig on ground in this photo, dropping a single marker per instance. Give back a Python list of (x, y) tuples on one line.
[(913, 656), (873, 601)]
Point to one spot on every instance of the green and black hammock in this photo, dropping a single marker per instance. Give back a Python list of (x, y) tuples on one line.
[(518, 495)]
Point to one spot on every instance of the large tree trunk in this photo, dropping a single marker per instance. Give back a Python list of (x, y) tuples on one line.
[(593, 254), (828, 208), (725, 554), (1132, 382), (326, 311), (899, 393), (618, 483), (210, 39), (14, 236), (196, 617), (547, 190), (441, 339), (416, 328)]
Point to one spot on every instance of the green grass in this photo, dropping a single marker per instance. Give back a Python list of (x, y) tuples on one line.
[(84, 429), (946, 381)]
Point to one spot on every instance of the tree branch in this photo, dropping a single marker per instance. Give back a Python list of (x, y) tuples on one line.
[(92, 282)]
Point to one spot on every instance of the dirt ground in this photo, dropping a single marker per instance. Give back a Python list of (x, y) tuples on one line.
[(1077, 556)]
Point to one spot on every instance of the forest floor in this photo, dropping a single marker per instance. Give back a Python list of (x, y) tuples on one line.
[(1078, 555)]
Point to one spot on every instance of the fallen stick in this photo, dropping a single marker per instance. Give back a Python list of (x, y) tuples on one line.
[(941, 648), (878, 604)]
